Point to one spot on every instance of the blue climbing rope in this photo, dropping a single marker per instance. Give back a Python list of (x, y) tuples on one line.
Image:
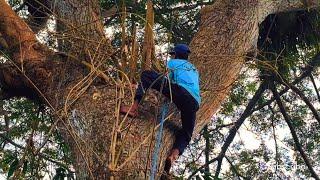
[(164, 111), (155, 157)]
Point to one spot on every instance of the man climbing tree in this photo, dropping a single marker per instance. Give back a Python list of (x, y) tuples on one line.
[(183, 87), (67, 78)]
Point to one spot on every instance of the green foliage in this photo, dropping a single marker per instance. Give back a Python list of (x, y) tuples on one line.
[(13, 167), (27, 120), (181, 23), (14, 3), (287, 42)]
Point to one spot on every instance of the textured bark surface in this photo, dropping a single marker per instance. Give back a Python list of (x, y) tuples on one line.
[(228, 31), (19, 37), (104, 144)]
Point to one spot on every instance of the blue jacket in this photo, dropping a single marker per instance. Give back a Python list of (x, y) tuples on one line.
[(185, 74)]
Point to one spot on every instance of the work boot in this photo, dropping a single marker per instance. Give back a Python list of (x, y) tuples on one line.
[(174, 154), (131, 110)]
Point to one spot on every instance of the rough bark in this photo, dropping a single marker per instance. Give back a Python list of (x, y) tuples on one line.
[(104, 144), (228, 31), (18, 36), (27, 56)]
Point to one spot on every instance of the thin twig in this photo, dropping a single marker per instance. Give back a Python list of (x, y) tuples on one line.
[(234, 169), (275, 139)]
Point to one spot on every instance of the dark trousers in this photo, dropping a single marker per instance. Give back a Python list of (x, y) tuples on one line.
[(181, 98)]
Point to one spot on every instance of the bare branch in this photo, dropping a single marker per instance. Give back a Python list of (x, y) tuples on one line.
[(203, 166), (303, 97), (234, 169), (247, 112), (207, 147), (218, 169), (292, 130), (275, 140), (315, 86), (221, 126)]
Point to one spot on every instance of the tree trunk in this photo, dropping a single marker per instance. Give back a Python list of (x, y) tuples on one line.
[(104, 144)]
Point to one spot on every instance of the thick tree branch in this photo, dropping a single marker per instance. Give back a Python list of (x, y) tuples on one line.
[(292, 130), (26, 72), (20, 39), (220, 60)]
